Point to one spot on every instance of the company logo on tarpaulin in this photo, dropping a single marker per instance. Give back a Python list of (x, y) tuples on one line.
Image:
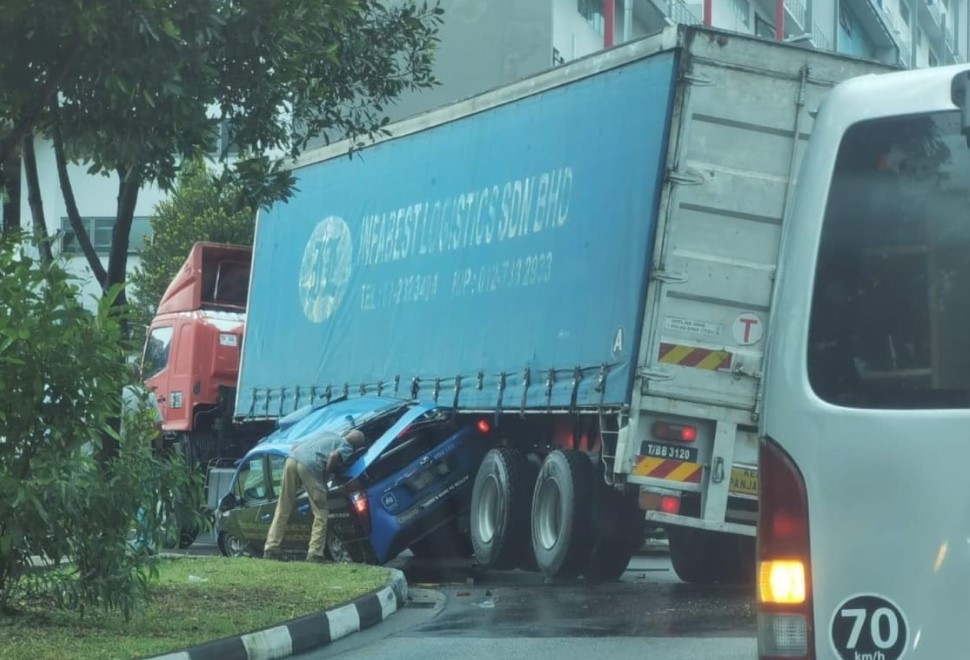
[(325, 269)]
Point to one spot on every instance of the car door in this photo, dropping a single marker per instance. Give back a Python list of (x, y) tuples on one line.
[(251, 489)]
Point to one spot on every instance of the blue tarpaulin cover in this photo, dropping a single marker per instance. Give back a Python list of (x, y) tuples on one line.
[(516, 238)]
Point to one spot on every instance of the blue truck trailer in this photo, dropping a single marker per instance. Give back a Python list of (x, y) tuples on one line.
[(588, 257)]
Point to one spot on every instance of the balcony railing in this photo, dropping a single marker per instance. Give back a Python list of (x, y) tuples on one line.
[(819, 38), (797, 10), (937, 11), (681, 14)]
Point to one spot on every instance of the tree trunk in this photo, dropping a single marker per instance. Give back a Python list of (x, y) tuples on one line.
[(41, 238), (70, 204), (128, 185), (10, 185)]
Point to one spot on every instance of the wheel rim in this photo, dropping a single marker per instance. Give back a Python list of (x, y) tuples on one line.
[(486, 520), (338, 551), (549, 523), (235, 546)]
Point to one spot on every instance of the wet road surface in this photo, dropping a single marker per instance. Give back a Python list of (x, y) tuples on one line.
[(456, 611)]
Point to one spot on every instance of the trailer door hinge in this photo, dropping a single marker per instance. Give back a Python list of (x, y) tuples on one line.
[(687, 178), (698, 79), (669, 277), (654, 373)]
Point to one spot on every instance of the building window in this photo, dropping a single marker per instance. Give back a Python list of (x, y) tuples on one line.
[(932, 60), (742, 11), (763, 28), (919, 37), (99, 230), (844, 20), (904, 12), (592, 11)]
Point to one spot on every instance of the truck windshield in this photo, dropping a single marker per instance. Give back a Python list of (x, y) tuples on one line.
[(889, 321)]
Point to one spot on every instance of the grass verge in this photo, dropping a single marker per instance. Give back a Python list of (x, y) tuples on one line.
[(194, 601)]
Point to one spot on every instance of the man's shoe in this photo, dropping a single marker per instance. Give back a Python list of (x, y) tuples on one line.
[(275, 555), (317, 559)]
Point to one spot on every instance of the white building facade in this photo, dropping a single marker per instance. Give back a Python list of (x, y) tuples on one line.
[(910, 33)]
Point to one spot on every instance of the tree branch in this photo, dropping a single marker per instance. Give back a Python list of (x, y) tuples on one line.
[(70, 204), (41, 237), (25, 123)]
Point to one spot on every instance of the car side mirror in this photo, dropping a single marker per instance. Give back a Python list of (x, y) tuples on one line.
[(228, 502)]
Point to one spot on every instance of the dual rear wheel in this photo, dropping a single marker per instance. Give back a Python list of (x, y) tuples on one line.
[(560, 518)]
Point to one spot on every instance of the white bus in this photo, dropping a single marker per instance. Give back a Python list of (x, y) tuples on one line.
[(864, 516)]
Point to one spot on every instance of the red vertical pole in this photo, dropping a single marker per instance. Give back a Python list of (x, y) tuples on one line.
[(609, 17), (779, 20), (708, 19)]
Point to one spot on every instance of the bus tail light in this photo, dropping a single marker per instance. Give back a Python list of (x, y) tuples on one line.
[(785, 622)]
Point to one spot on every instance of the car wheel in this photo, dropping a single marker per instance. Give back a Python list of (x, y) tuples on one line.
[(233, 546), (336, 550), (619, 529), (500, 509), (562, 514)]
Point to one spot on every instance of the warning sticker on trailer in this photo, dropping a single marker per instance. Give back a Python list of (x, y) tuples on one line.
[(692, 327), (869, 627), (748, 329), (691, 356), (670, 470)]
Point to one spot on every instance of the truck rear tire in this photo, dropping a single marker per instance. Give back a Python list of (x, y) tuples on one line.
[(500, 509), (562, 505), (702, 557), (619, 529)]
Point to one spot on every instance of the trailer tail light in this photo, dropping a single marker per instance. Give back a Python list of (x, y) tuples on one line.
[(785, 621), (483, 426), (358, 501), (670, 504), (656, 502), (678, 432)]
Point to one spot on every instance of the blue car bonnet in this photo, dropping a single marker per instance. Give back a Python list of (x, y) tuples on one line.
[(337, 417)]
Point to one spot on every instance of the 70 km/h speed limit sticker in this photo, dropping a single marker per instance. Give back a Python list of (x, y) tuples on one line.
[(869, 627)]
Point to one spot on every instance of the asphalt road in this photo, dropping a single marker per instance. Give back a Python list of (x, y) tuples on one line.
[(455, 610)]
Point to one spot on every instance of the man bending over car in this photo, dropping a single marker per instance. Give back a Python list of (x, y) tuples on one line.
[(308, 465)]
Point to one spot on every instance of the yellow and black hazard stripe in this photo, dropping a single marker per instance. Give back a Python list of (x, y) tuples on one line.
[(662, 468), (691, 356)]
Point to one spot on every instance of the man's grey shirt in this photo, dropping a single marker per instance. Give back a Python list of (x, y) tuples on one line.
[(314, 451)]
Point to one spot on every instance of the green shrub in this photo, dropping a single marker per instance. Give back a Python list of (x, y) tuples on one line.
[(62, 499)]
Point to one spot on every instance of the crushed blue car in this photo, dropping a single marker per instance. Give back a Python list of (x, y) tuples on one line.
[(410, 487)]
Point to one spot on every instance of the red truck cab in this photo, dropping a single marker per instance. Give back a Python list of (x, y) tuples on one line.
[(191, 356)]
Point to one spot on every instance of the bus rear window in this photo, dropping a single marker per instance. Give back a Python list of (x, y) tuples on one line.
[(890, 323)]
